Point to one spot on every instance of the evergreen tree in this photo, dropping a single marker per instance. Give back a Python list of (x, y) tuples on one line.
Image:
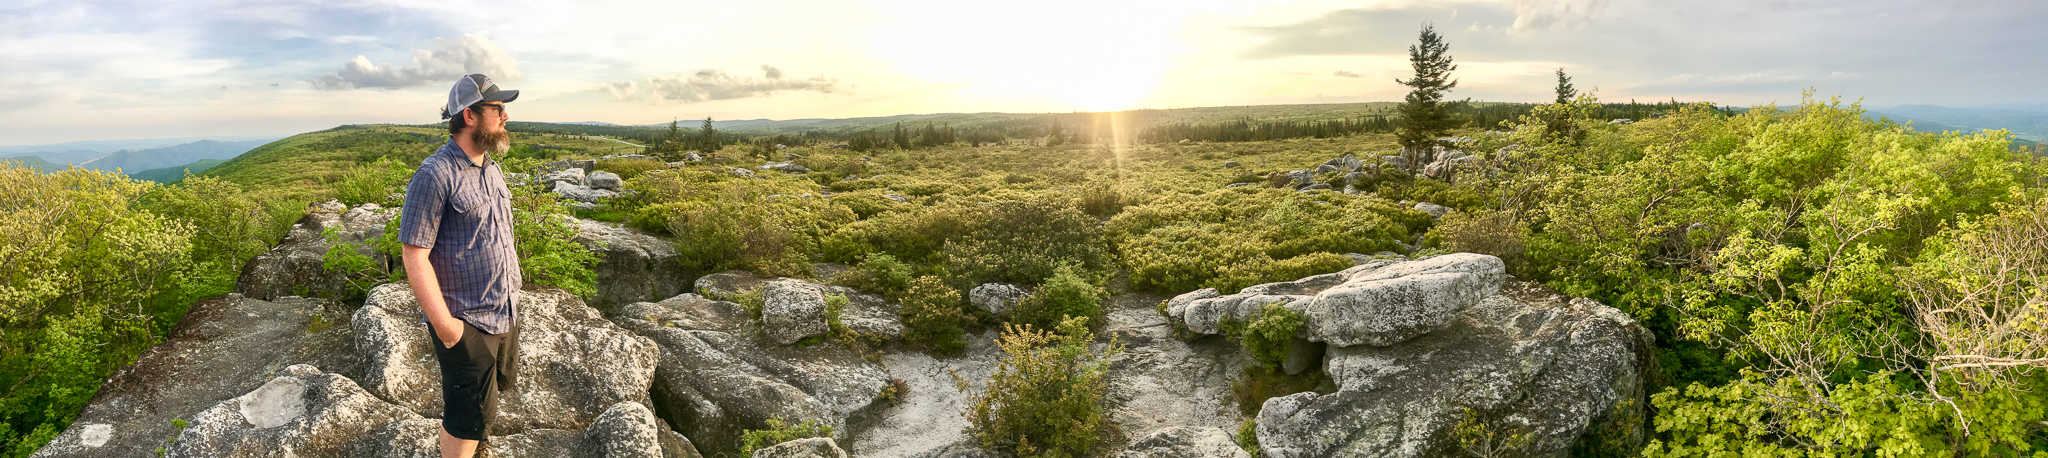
[(1565, 91), (1424, 116), (901, 139), (708, 140)]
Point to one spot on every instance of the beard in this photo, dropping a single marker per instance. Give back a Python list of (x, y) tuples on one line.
[(492, 142)]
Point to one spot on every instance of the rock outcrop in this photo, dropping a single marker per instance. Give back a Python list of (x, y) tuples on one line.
[(1521, 364), (295, 267), (224, 347), (305, 412), (1185, 442), (720, 374), (816, 447), (1381, 302), (632, 266), (572, 362)]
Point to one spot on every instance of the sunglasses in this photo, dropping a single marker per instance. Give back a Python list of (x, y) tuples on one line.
[(479, 107)]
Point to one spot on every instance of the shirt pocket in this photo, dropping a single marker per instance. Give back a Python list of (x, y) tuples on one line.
[(467, 199)]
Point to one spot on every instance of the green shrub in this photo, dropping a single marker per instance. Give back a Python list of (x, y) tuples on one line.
[(779, 431), (346, 260), (628, 169), (1258, 383), (767, 225), (878, 273), (1021, 242), (1048, 396), (1491, 232), (548, 252), (1100, 200), (1258, 268), (373, 182), (1271, 332), (92, 279), (933, 316), (1067, 294), (1248, 437)]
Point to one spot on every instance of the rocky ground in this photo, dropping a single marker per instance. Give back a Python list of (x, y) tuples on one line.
[(1418, 350)]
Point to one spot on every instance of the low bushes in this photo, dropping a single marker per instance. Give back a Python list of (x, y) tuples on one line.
[(1047, 398), (1236, 237), (933, 316)]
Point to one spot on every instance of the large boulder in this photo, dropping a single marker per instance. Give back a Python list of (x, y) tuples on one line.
[(867, 314), (582, 196), (995, 298), (603, 180), (572, 362), (1380, 302), (792, 310), (720, 375), (1390, 304), (295, 267), (572, 175), (303, 412), (632, 266), (1523, 362), (626, 429), (224, 347)]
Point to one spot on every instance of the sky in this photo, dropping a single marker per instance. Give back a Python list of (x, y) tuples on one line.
[(87, 70)]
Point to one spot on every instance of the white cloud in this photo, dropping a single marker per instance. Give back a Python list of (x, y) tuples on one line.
[(450, 59), (707, 85)]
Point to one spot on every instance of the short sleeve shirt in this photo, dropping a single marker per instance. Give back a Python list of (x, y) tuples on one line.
[(461, 211)]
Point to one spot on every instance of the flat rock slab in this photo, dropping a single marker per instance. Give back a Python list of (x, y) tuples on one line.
[(224, 347)]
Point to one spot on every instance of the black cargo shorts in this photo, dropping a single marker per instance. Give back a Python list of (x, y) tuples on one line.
[(472, 373)]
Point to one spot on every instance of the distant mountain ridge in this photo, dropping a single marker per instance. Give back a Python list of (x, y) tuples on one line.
[(2028, 122)]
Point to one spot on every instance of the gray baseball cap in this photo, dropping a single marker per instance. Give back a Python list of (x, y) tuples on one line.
[(473, 88)]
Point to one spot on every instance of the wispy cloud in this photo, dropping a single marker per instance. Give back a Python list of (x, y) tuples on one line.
[(449, 59), (711, 84), (1347, 74)]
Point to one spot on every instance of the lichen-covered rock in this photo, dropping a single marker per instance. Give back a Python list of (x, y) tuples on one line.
[(1396, 302), (1523, 364), (223, 348), (1185, 442), (571, 175), (632, 266), (867, 314), (789, 167), (301, 413), (815, 447), (995, 298), (1159, 381), (626, 429), (1434, 210), (573, 363), (792, 310), (296, 267), (577, 193), (925, 419), (603, 180), (717, 377)]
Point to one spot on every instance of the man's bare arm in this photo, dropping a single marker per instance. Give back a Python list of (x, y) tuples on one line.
[(425, 287)]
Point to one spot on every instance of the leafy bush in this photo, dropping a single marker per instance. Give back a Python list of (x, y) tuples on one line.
[(1047, 397), (1101, 201), (1067, 294), (1491, 232), (1257, 268), (933, 316), (373, 182), (91, 279), (1021, 242), (764, 225), (1270, 333), (779, 431), (878, 273), (346, 260), (548, 252)]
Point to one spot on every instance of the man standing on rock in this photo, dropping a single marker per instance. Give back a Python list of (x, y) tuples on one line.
[(459, 258)]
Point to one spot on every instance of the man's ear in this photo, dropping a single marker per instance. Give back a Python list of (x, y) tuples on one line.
[(469, 117)]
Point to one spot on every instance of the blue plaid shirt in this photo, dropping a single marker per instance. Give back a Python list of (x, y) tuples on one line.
[(462, 213)]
